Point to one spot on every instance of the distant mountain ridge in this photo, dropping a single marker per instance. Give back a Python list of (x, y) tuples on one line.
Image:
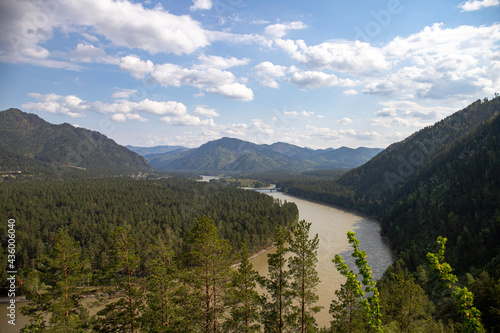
[(27, 139), (229, 155)]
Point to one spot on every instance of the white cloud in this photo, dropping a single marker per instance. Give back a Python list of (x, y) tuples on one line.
[(299, 114), (280, 29), (121, 110), (25, 25), (267, 73), (187, 120), (67, 105), (339, 55), (472, 5), (204, 111), (205, 78), (219, 62), (350, 92), (135, 66), (344, 121), (442, 63), (201, 5), (409, 114), (121, 117), (314, 79), (123, 93)]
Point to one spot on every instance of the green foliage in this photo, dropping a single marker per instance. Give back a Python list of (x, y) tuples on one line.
[(92, 209), (210, 260), (244, 300), (276, 311), (59, 308), (124, 300), (464, 298), (405, 306), (304, 277), (371, 305)]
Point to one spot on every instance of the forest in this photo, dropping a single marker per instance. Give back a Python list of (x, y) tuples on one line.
[(91, 209), (442, 181), (200, 290)]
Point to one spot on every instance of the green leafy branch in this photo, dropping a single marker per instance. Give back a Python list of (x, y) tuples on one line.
[(464, 298), (371, 305)]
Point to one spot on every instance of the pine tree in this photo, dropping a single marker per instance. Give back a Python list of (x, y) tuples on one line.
[(276, 312), (304, 276), (122, 315), (64, 272), (348, 315), (164, 291), (244, 299), (211, 262)]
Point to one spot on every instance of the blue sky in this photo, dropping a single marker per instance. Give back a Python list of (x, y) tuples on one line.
[(312, 73)]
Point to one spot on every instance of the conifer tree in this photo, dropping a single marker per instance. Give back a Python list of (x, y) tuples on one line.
[(211, 262), (122, 315), (164, 291), (276, 312), (244, 299), (64, 272), (302, 265)]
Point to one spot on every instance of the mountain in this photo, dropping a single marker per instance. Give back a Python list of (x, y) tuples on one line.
[(149, 152), (442, 180), (228, 155), (27, 140)]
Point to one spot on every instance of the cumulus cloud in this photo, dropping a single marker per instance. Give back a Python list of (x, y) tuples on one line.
[(120, 110), (472, 5), (350, 92), (187, 120), (299, 114), (219, 62), (135, 66), (121, 117), (26, 25), (281, 29), (344, 121), (442, 63), (123, 93), (204, 111), (314, 79), (408, 114), (201, 5), (268, 73), (339, 55), (205, 78), (67, 105)]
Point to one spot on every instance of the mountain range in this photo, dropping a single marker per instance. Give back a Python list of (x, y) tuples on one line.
[(229, 155), (28, 141)]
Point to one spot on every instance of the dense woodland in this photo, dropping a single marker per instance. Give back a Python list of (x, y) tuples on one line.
[(442, 181), (92, 209)]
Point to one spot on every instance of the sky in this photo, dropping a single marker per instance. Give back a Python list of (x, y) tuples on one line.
[(317, 73)]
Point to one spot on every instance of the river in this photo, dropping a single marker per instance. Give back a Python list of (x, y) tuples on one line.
[(331, 224)]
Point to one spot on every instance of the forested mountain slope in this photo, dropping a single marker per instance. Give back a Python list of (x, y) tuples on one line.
[(28, 140), (229, 155), (442, 180)]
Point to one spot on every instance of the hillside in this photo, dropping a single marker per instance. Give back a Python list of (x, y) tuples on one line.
[(442, 180), (27, 142), (235, 156)]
